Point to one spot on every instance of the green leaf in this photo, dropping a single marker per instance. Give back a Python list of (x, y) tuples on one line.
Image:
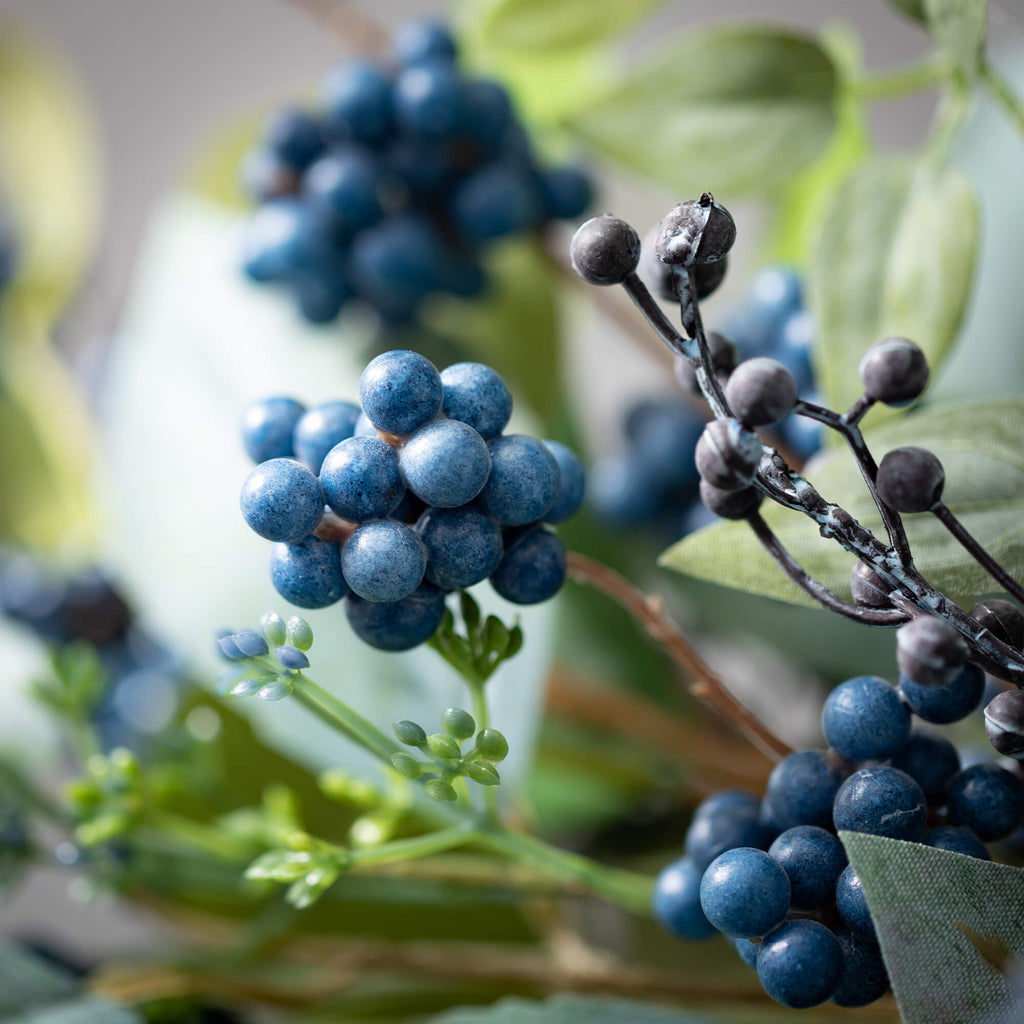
[(949, 926), (87, 1010), (734, 110), (281, 866), (27, 980), (979, 447), (895, 256), (911, 8), (959, 27), (570, 1009)]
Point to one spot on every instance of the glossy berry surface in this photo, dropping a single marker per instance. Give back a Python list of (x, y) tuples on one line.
[(475, 394), (946, 702), (400, 391), (697, 231), (604, 250), (676, 902), (464, 546), (445, 463), (853, 904), (744, 893), (1002, 618), (800, 964), (361, 479), (986, 799), (267, 427), (282, 500), (813, 858), (802, 788), (532, 568), (523, 482), (307, 573), (882, 801), (383, 561), (864, 719)]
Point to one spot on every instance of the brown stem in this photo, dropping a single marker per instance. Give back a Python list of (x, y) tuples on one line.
[(358, 32), (649, 610)]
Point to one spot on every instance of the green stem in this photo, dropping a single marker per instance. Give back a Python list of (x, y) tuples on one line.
[(482, 717), (999, 89), (949, 119), (337, 714), (200, 835), (417, 846), (890, 85)]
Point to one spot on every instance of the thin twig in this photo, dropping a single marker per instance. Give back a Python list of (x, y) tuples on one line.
[(649, 610), (357, 31), (977, 552)]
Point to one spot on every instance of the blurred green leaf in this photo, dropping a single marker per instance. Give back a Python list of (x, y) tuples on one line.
[(27, 981), (949, 926), (959, 27), (911, 8), (895, 256), (731, 110), (87, 1010), (979, 446), (570, 1009)]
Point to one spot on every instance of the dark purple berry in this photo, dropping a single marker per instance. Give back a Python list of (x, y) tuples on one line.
[(910, 480), (723, 356), (894, 371), (697, 231), (930, 651), (1004, 723), (868, 588), (730, 504), (761, 392), (1002, 619), (727, 456), (604, 250)]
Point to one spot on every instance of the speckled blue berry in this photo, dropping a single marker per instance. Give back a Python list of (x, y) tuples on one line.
[(729, 800), (364, 428), (307, 573), (361, 479), (423, 41), (725, 826), (566, 192), (400, 391), (445, 463), (464, 546), (524, 480), (986, 799), (267, 427), (357, 98), (864, 978), (319, 429), (291, 657), (250, 643), (282, 500), (744, 893), (383, 561), (802, 788), (476, 394), (813, 859), (428, 100), (931, 761), (676, 902), (956, 839), (399, 625), (572, 483), (533, 567), (882, 801), (864, 719), (799, 964), (948, 702), (746, 949), (852, 904), (344, 186), (493, 201)]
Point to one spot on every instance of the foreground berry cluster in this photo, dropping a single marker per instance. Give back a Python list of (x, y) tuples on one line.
[(424, 495), (393, 188), (772, 874)]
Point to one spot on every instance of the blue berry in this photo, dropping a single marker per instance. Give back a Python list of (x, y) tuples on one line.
[(987, 799), (775, 294), (852, 904), (307, 573), (291, 657), (882, 801), (281, 500), (319, 429), (532, 568), (571, 486), (677, 901), (813, 859), (566, 192), (493, 201), (383, 561), (361, 479), (487, 113), (524, 480), (746, 948), (320, 294), (422, 41), (864, 719), (793, 347), (294, 137), (802, 788), (476, 394), (864, 978), (275, 239), (957, 840), (267, 427), (624, 491), (744, 893), (399, 625), (948, 702), (731, 800), (663, 435), (364, 428), (446, 463), (358, 100), (250, 643), (931, 761), (400, 391), (344, 184), (800, 964), (463, 546), (719, 825), (428, 100)]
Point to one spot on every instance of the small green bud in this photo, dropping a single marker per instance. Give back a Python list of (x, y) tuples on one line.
[(274, 629), (492, 745), (407, 765), (300, 633), (82, 793), (458, 723), (442, 745), (409, 733), (373, 829), (441, 791), (124, 763), (483, 773), (247, 687)]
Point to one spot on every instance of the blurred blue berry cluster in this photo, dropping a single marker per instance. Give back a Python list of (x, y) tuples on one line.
[(391, 190), (772, 874), (424, 495)]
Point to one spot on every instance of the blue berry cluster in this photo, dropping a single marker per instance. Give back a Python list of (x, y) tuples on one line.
[(771, 873), (394, 187), (394, 503), (654, 481)]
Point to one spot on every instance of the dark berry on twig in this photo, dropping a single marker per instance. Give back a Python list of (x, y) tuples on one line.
[(868, 588), (730, 504), (697, 231), (1002, 619), (1004, 723), (761, 392), (910, 480), (724, 358), (605, 250), (894, 371), (930, 651), (727, 456)]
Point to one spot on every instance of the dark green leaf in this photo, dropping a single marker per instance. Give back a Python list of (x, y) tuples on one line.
[(569, 1009), (911, 8), (895, 256), (980, 448), (27, 981), (949, 926), (959, 27), (731, 110)]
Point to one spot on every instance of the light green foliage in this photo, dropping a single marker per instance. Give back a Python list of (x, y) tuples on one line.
[(959, 28)]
